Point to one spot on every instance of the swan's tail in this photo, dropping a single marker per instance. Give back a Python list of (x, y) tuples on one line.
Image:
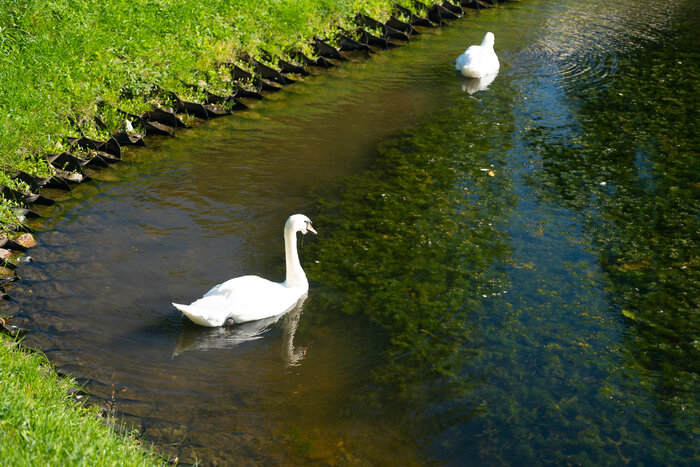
[(182, 308), (200, 316), (187, 311)]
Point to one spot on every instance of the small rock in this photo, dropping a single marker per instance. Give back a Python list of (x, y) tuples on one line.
[(77, 393), (4, 254), (8, 244), (12, 330), (26, 240), (7, 273)]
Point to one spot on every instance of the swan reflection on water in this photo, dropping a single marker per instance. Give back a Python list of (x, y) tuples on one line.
[(472, 85), (201, 338)]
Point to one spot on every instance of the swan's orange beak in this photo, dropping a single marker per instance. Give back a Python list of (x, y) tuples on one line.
[(311, 229)]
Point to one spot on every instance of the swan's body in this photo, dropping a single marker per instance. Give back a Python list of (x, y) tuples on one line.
[(478, 60), (250, 298)]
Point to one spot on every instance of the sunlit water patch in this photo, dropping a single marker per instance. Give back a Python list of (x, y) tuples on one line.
[(582, 43)]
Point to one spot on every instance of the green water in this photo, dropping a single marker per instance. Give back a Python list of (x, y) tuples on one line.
[(547, 313), (508, 276)]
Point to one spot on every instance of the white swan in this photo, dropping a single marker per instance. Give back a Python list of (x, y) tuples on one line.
[(478, 60), (249, 298)]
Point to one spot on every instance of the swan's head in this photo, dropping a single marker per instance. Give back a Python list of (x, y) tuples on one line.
[(489, 39), (299, 223)]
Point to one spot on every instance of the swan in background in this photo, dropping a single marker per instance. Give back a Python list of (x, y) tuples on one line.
[(478, 60), (250, 298)]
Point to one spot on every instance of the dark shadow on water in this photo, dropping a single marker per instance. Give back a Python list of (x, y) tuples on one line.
[(200, 338)]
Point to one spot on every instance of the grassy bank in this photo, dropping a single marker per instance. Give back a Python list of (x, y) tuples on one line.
[(41, 425), (63, 60)]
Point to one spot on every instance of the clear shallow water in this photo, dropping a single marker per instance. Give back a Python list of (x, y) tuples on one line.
[(545, 314)]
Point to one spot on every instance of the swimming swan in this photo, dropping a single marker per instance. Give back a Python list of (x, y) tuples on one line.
[(478, 60), (249, 298)]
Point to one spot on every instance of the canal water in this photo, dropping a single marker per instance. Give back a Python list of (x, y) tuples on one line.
[(505, 275)]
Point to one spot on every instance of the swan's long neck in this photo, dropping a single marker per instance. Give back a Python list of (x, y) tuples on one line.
[(295, 274)]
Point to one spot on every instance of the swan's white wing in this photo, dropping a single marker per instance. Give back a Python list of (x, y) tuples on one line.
[(257, 298), (472, 62), (242, 299), (462, 60), (237, 283), (467, 57)]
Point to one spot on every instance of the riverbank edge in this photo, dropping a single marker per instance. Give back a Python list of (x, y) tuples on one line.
[(44, 419), (22, 184)]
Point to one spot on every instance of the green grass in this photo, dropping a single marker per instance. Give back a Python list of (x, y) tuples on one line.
[(41, 425), (61, 59)]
